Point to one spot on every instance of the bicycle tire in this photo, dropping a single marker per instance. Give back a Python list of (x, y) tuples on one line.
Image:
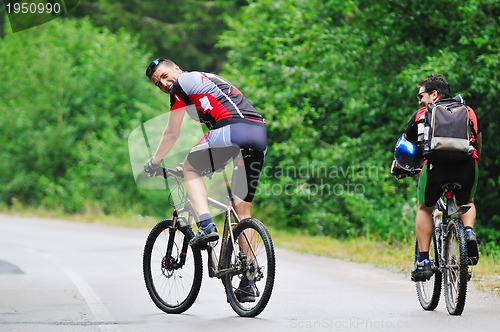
[(263, 275), (173, 290), (456, 273), (429, 291)]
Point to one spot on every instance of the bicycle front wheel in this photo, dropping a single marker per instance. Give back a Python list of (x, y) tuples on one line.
[(251, 256), (429, 291), (456, 274), (172, 269)]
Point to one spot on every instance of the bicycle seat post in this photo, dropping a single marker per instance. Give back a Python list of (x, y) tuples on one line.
[(228, 186), (451, 207)]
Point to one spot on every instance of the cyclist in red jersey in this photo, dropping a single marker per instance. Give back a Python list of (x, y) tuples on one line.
[(234, 125)]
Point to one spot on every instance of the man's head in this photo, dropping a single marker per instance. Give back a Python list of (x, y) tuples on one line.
[(433, 88), (163, 73)]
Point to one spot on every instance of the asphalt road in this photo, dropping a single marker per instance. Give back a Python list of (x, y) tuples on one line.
[(70, 276)]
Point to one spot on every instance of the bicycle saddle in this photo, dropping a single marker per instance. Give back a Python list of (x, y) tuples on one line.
[(452, 186)]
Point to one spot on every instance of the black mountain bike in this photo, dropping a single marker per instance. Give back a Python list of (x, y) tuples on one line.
[(448, 256), (173, 269)]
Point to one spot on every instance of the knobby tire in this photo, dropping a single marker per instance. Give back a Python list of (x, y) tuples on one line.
[(265, 258), (173, 290), (456, 274)]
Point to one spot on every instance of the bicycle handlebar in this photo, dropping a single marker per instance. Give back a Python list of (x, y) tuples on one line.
[(177, 172), (401, 172)]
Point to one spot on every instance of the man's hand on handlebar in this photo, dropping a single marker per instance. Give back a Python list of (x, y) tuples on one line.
[(400, 173), (152, 169)]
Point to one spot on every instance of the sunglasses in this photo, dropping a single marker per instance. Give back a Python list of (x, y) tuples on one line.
[(420, 96), (152, 65)]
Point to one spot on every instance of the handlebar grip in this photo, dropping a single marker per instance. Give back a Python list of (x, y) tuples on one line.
[(177, 172)]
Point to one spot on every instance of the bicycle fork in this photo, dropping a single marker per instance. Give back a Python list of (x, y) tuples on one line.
[(173, 263)]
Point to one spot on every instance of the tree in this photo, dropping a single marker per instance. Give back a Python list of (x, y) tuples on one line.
[(184, 30), (336, 81), (71, 93)]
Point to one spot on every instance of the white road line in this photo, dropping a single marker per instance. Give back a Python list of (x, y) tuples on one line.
[(101, 313)]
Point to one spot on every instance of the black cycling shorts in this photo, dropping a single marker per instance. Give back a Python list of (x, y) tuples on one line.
[(220, 145), (434, 176)]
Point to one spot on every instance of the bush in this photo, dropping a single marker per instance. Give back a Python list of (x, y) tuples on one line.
[(70, 96)]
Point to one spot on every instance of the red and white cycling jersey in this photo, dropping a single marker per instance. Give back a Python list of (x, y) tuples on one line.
[(217, 102)]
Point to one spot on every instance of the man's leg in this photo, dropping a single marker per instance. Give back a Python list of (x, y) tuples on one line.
[(469, 178), (468, 220), (246, 289), (197, 192), (424, 227), (469, 217), (243, 209), (196, 188)]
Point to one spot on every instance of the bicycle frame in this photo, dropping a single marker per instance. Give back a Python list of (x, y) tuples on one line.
[(450, 211), (214, 269)]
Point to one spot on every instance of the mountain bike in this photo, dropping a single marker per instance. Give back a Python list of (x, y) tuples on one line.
[(448, 256), (173, 270)]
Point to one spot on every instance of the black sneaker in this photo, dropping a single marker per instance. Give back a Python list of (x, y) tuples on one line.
[(472, 248), (421, 271), (245, 291), (204, 235)]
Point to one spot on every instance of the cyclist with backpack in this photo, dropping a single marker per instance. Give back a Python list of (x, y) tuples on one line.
[(449, 135)]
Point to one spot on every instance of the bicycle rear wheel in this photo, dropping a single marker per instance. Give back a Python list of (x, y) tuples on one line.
[(172, 269), (456, 274), (429, 291), (257, 265)]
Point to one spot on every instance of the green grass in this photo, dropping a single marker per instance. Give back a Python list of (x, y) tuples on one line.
[(398, 258)]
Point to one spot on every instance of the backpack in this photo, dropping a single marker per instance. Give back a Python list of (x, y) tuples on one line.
[(445, 131)]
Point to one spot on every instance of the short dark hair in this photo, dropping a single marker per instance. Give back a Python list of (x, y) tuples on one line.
[(155, 63), (436, 82)]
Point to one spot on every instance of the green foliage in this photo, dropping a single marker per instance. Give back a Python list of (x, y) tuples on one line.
[(184, 30), (70, 96), (336, 81)]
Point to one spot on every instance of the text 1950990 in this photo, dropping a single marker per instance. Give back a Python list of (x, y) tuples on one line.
[(32, 8)]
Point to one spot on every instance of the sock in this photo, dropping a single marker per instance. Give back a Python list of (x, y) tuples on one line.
[(423, 255), (468, 229), (205, 219)]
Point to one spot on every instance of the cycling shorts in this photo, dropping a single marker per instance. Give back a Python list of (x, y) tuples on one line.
[(221, 145), (434, 176)]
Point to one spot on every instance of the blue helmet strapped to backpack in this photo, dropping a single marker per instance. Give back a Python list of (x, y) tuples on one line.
[(408, 155)]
